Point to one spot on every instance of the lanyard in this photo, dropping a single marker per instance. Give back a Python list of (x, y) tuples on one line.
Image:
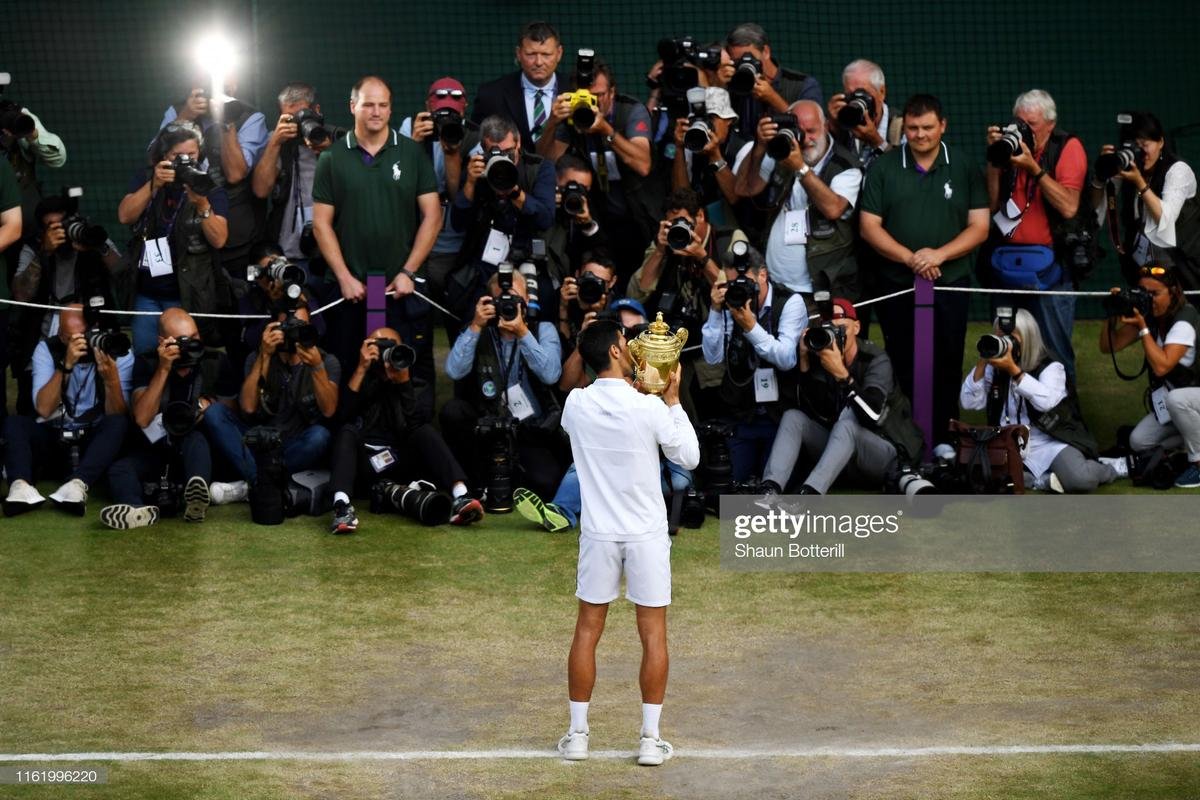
[(506, 369)]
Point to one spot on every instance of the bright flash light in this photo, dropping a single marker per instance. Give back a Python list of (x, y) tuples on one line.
[(215, 54)]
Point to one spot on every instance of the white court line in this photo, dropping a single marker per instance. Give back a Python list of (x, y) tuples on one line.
[(705, 753)]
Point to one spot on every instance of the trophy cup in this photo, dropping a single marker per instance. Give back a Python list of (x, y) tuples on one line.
[(655, 353)]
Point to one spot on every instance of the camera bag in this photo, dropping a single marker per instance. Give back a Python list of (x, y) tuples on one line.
[(1027, 266), (989, 456)]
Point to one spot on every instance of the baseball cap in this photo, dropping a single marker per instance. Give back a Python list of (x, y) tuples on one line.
[(847, 308), (717, 101), (447, 93), (627, 304)]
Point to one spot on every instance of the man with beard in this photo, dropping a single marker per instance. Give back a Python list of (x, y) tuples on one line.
[(813, 191)]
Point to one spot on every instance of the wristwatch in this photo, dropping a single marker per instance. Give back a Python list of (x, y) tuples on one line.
[(804, 170), (205, 214), (717, 166)]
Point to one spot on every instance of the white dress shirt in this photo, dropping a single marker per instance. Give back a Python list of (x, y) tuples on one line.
[(777, 347)]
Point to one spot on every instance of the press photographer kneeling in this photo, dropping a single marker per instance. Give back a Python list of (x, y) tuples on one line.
[(1020, 382), (1168, 338), (81, 383), (385, 442), (852, 416)]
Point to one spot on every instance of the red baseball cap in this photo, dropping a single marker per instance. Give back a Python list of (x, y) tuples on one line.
[(447, 93), (847, 308)]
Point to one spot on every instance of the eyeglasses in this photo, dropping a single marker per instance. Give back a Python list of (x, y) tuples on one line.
[(442, 94)]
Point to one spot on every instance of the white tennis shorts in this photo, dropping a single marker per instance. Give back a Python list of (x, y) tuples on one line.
[(646, 564)]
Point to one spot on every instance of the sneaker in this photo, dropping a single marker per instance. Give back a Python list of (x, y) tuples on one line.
[(344, 518), (465, 510), (1053, 484), (1190, 479), (196, 498), (225, 493), (1120, 465), (72, 497), (768, 495), (806, 489), (548, 515), (22, 497), (574, 746), (123, 516), (652, 752)]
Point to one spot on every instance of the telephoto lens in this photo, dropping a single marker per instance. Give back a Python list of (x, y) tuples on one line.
[(679, 234), (992, 346), (418, 500)]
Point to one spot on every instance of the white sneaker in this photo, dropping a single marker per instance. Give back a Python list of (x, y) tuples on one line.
[(22, 497), (123, 516), (1120, 465), (72, 496), (225, 493), (652, 752), (1055, 485), (196, 498), (574, 746)]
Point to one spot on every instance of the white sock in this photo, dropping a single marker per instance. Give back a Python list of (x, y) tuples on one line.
[(650, 715), (579, 717), (458, 490), (341, 497)]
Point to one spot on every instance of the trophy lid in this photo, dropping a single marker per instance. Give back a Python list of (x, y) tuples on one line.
[(658, 328)]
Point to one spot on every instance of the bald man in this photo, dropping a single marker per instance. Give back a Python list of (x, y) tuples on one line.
[(185, 377), (385, 438), (80, 396)]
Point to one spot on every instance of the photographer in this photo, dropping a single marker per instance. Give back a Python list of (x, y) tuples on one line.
[(617, 145), (575, 231), (268, 296), (525, 96), (80, 394), (759, 84), (1157, 217), (1018, 381), (291, 385), (177, 213), (235, 137), (383, 438), (284, 173), (1168, 338), (812, 238), (589, 290), (1034, 198), (751, 332), (710, 177), (852, 415), (26, 143), (173, 388), (506, 372), (860, 118)]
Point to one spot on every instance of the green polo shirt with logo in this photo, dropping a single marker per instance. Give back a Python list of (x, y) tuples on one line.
[(923, 209), (10, 197), (375, 213)]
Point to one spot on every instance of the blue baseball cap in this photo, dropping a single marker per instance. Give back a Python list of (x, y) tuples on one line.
[(627, 303)]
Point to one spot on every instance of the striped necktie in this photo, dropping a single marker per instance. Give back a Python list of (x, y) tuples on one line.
[(539, 114)]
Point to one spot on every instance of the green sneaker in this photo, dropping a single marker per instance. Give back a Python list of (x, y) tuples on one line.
[(548, 515)]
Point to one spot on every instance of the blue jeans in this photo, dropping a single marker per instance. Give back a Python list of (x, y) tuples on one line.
[(225, 429), (750, 446), (568, 499), (144, 328)]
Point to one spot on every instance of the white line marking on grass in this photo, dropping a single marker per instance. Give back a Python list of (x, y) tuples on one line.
[(705, 753)]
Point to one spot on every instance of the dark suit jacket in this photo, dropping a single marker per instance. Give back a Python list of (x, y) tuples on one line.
[(505, 96)]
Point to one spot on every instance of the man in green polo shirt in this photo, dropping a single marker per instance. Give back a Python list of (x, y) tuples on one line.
[(369, 190), (10, 233), (925, 213)]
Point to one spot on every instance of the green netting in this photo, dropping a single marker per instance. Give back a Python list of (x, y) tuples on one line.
[(101, 73)]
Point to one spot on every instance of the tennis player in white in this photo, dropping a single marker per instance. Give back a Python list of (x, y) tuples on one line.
[(616, 432)]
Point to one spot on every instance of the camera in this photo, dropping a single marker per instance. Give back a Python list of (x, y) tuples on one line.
[(500, 171), (188, 173), (745, 74), (574, 198), (992, 346), (266, 495), (311, 126), (743, 289), (280, 270), (679, 50), (1008, 145), (584, 107), (1126, 155), (823, 336), (508, 305), (528, 267), (297, 333), (780, 146), (164, 493), (709, 58), (107, 339), (716, 462), (12, 118), (1126, 301), (396, 355), (448, 126), (591, 289), (860, 107), (426, 505), (499, 435), (81, 231), (191, 351), (679, 234), (179, 418), (699, 129)]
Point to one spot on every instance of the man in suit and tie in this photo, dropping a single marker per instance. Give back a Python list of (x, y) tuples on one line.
[(526, 96)]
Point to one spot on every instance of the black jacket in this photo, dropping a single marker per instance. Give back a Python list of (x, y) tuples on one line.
[(505, 96)]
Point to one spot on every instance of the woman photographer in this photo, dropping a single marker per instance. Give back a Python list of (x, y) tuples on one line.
[(1169, 341), (179, 222), (1021, 386), (1158, 209)]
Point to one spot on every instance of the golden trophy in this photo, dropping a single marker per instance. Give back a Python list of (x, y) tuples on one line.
[(655, 353)]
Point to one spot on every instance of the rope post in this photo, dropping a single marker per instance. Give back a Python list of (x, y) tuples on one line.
[(376, 303), (923, 334)]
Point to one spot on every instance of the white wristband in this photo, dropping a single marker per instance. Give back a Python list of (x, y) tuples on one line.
[(1143, 332)]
